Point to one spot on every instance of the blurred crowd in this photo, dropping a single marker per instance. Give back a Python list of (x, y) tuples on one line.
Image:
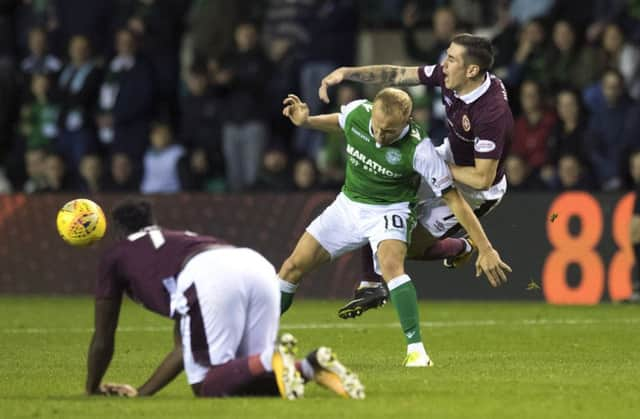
[(160, 96)]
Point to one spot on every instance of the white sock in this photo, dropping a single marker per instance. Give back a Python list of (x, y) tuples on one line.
[(266, 358), (368, 284), (287, 287), (397, 281), (416, 347), (307, 369)]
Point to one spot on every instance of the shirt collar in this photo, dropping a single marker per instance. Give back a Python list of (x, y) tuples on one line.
[(404, 132), (473, 95)]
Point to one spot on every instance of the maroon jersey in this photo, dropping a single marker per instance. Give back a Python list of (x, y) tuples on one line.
[(138, 264), (480, 123)]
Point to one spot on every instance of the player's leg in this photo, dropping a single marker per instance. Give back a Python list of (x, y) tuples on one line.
[(333, 233), (213, 327), (426, 247), (307, 256), (323, 367), (390, 256), (261, 329), (372, 293)]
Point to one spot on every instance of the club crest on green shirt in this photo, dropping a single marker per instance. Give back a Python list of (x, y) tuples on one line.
[(393, 156)]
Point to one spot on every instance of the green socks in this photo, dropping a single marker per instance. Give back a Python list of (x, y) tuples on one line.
[(405, 300), (287, 291)]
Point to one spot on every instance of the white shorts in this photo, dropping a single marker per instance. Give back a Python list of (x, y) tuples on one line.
[(437, 218), (233, 308), (346, 225)]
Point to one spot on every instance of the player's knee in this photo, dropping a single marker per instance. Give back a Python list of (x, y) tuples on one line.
[(391, 266)]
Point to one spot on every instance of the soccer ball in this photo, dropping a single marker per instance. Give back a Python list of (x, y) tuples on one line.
[(81, 222)]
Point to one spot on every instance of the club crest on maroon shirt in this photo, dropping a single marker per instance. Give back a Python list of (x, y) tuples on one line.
[(466, 124)]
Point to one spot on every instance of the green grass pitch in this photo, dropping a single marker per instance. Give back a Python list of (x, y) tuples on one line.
[(492, 360)]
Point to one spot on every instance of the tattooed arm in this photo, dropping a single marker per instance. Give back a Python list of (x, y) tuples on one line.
[(387, 75)]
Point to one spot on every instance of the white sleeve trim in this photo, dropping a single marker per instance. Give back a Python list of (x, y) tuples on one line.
[(428, 70), (345, 110), (428, 163)]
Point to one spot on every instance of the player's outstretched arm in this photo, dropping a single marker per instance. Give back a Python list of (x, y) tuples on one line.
[(168, 369), (489, 261), (388, 75), (480, 176), (298, 113), (107, 312)]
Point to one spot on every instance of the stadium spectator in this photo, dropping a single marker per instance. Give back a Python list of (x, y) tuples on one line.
[(530, 60), (91, 174), (93, 20), (30, 14), (276, 173), (197, 173), (285, 61), (160, 173), (305, 175), (211, 24), (569, 135), (78, 87), (39, 116), (159, 25), (335, 23), (445, 26), (624, 56), (533, 127), (125, 105), (631, 128), (34, 163), (606, 126), (331, 159), (202, 108), (122, 177), (244, 71), (524, 11), (40, 60), (57, 177), (520, 176), (571, 174), (570, 63)]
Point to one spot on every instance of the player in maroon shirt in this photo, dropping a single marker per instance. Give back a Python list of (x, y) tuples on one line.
[(480, 129), (226, 305)]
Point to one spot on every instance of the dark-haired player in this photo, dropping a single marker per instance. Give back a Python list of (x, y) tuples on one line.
[(226, 305), (480, 128)]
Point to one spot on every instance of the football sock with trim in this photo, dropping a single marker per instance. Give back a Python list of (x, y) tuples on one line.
[(405, 300), (287, 291), (239, 377)]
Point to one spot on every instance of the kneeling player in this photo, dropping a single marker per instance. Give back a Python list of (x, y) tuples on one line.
[(226, 307)]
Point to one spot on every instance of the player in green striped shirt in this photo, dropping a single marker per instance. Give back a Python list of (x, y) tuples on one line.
[(387, 156)]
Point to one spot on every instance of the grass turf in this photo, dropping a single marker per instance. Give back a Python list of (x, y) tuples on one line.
[(492, 360)]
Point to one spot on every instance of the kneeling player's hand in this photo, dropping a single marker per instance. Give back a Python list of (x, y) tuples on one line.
[(490, 264), (122, 390)]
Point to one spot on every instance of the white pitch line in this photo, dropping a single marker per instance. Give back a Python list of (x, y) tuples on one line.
[(356, 325)]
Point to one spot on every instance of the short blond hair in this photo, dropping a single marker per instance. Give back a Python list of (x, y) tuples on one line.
[(392, 100)]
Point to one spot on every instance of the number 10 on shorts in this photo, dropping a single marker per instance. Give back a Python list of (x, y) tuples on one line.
[(395, 221)]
